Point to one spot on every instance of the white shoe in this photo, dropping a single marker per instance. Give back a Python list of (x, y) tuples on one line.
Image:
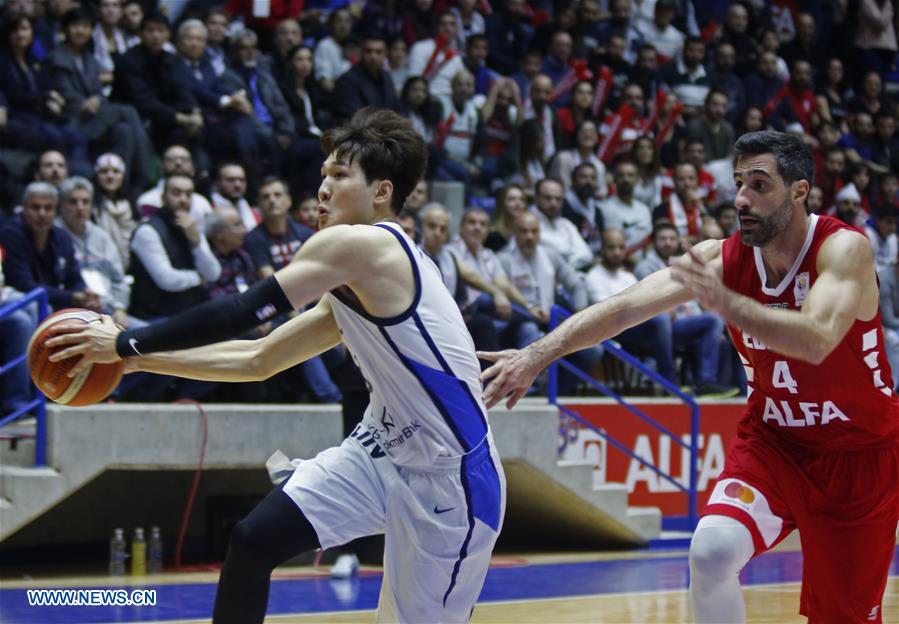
[(345, 566)]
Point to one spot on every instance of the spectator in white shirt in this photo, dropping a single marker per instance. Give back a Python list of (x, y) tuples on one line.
[(230, 187), (330, 57), (667, 39), (626, 213), (537, 271), (469, 248), (557, 232), (437, 59)]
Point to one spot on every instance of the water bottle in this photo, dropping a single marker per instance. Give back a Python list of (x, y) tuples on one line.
[(138, 553), (117, 553), (154, 552)]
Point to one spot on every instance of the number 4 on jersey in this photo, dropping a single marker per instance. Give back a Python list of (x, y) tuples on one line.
[(782, 377)]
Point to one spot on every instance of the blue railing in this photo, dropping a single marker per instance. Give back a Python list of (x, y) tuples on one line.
[(38, 404), (559, 314)]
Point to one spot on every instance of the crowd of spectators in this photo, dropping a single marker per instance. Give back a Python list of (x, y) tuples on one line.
[(158, 153)]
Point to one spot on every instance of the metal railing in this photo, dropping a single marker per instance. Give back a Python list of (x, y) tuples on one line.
[(559, 314), (38, 404)]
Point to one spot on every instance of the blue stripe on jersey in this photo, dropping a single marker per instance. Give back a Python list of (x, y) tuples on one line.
[(446, 368), (454, 402), (408, 363)]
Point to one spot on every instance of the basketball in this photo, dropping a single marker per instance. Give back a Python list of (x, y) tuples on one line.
[(51, 378)]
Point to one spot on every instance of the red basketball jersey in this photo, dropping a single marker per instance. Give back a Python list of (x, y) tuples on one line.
[(844, 403)]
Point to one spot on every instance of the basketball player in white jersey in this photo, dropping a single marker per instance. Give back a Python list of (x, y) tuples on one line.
[(421, 467)]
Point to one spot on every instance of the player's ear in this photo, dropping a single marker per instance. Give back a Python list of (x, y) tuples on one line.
[(384, 190), (799, 191)]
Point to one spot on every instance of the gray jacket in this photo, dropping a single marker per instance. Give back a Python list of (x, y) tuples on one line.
[(232, 80)]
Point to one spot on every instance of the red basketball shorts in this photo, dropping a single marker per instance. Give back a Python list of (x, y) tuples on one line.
[(845, 505)]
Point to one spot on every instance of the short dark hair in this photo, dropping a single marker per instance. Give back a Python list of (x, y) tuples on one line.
[(228, 163), (660, 227), (793, 157), (543, 181), (273, 179), (584, 165), (155, 17), (77, 14), (472, 38), (472, 210), (716, 91), (386, 146), (165, 184)]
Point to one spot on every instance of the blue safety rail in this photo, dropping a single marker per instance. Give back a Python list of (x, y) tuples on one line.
[(688, 523), (38, 404)]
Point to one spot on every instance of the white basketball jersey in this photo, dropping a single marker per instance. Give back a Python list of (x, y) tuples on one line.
[(420, 369)]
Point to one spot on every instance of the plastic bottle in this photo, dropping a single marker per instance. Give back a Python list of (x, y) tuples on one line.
[(138, 553), (117, 553), (154, 551)]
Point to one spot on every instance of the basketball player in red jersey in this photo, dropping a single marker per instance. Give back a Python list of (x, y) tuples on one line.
[(818, 447)]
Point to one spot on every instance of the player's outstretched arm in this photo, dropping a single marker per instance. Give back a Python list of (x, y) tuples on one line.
[(303, 337), (845, 290), (330, 258), (514, 371)]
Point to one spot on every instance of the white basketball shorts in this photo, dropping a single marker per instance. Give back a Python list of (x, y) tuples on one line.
[(440, 522)]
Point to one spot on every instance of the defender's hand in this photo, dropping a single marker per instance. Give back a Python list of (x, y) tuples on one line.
[(700, 280), (94, 342), (513, 372)]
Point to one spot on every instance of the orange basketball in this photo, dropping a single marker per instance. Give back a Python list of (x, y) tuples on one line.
[(51, 378)]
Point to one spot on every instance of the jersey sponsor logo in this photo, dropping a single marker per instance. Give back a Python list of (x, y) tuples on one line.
[(753, 343), (437, 510), (800, 288), (872, 616), (803, 414), (405, 434), (266, 312), (740, 492)]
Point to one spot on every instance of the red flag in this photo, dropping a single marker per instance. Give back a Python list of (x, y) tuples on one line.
[(441, 44), (673, 115), (612, 138), (650, 122), (601, 92)]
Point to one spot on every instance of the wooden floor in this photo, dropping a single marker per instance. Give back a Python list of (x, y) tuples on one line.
[(764, 604), (642, 587)]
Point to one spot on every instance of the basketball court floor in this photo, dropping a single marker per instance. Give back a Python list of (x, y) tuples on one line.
[(643, 586)]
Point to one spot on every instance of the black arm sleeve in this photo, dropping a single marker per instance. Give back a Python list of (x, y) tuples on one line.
[(211, 322)]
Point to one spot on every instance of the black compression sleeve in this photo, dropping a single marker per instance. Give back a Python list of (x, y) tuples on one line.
[(211, 322)]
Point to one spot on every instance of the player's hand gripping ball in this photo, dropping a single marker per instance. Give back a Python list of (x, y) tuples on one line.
[(89, 387)]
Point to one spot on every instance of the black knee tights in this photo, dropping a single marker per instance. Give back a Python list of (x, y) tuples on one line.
[(272, 533)]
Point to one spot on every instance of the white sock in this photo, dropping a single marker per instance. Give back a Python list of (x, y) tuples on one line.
[(721, 546)]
